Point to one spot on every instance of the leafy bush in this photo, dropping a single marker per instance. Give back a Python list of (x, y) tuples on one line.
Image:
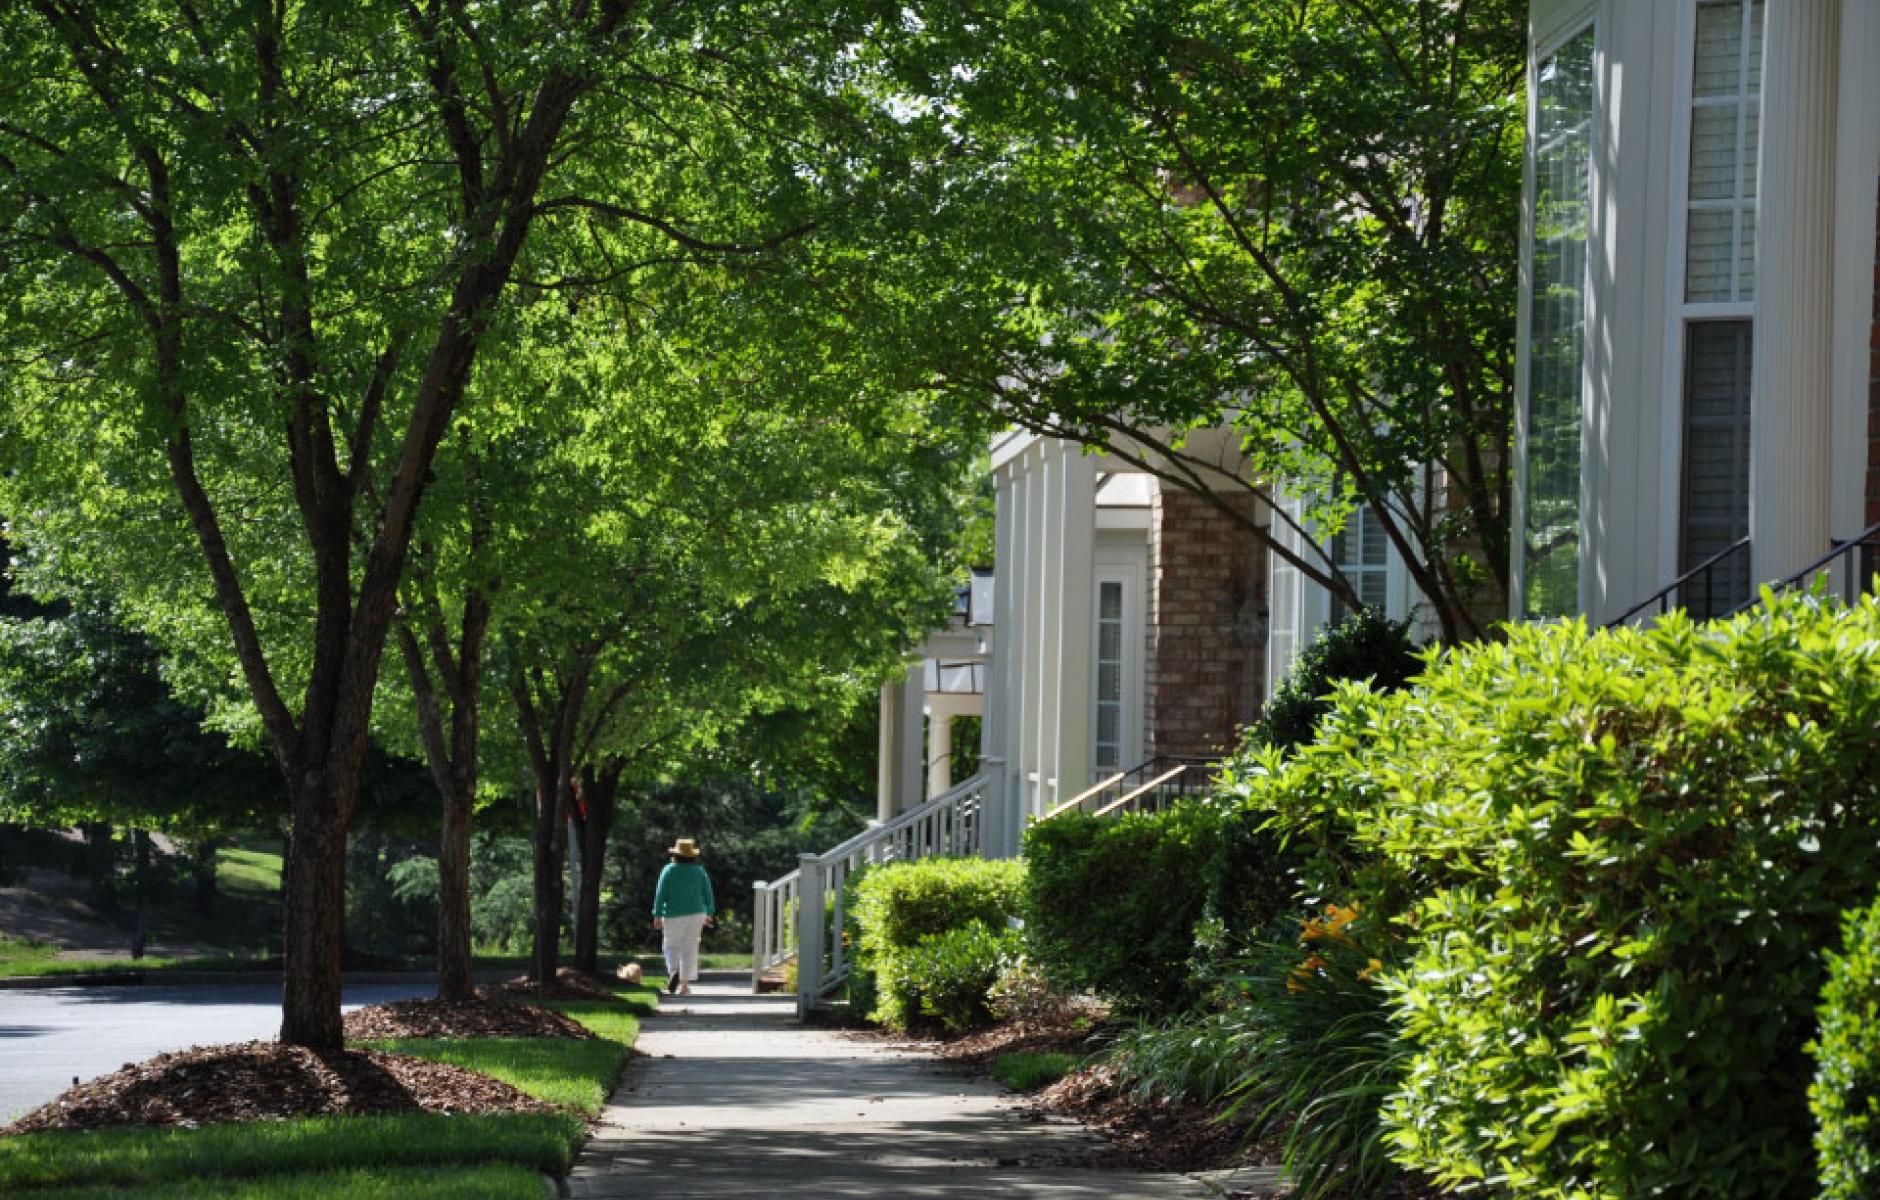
[(898, 905), (1029, 1070), (1022, 993), (1364, 645), (947, 976), (1302, 1053), (1619, 857), (1846, 1092), (1112, 905)]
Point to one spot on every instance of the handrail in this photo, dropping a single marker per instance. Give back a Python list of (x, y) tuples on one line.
[(881, 831), (1662, 596), (1077, 800), (1150, 786), (1867, 539)]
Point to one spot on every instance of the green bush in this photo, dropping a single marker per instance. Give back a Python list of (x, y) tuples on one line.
[(1112, 905), (948, 977), (1618, 858), (1364, 645), (1301, 1054), (1022, 993), (1846, 1092), (897, 905)]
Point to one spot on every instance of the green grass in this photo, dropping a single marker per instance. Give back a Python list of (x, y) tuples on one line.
[(499, 1182), (277, 1158), (38, 958), (249, 873), (1029, 1070), (137, 1155)]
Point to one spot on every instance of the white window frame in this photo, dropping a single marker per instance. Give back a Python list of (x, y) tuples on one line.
[(1129, 727), (1680, 313), (1584, 20)]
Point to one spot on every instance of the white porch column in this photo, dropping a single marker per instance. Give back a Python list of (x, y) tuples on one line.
[(887, 761), (1077, 522), (1050, 606), (939, 748), (1030, 601), (1792, 410), (995, 738), (913, 771)]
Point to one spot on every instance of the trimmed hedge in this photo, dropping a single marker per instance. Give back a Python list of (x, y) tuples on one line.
[(1364, 645), (1112, 905), (1616, 859), (1846, 1092), (899, 909)]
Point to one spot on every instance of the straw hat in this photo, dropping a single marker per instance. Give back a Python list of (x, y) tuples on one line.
[(684, 848)]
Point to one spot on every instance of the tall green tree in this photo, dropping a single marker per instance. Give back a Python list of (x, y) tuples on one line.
[(252, 253), (1296, 216)]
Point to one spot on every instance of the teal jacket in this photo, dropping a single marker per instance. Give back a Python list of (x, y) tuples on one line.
[(684, 889)]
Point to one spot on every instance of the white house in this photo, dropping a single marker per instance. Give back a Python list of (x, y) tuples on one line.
[(1697, 372), (1128, 627)]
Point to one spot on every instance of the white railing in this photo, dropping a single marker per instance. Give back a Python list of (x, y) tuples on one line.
[(801, 916)]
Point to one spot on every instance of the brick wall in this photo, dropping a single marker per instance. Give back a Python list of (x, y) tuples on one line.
[(1207, 625), (1873, 393)]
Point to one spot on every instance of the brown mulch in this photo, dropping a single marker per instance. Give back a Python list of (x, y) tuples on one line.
[(979, 1049), (490, 1016), (267, 1081), (1159, 1134), (569, 984)]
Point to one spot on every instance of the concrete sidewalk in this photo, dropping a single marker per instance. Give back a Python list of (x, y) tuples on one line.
[(735, 1098)]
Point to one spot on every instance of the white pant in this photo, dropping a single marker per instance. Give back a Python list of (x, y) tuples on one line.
[(681, 945)]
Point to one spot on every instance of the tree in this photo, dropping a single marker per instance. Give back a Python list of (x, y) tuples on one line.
[(252, 254), (1297, 217)]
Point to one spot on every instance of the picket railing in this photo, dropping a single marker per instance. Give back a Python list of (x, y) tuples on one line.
[(800, 917), (1149, 786)]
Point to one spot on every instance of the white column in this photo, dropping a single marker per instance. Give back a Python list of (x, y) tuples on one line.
[(1031, 603), (939, 748), (994, 728), (1050, 605), (1077, 493), (909, 786), (887, 766), (1792, 410)]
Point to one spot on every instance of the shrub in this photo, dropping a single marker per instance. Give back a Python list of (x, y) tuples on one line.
[(897, 905), (1022, 993), (947, 976), (1302, 1053), (1846, 1091), (1618, 857), (1029, 1070), (1111, 905), (1364, 645)]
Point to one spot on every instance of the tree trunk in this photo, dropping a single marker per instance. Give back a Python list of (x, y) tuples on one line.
[(551, 845), (456, 979), (596, 823), (202, 874), (314, 886)]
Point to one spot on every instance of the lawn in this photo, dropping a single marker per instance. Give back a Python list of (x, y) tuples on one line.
[(354, 1158), (1029, 1070), (18, 957)]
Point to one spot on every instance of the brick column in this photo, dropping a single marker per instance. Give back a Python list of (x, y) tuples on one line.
[(1207, 625)]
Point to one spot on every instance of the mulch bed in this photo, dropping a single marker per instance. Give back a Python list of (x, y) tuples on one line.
[(1159, 1134), (485, 1017), (979, 1049), (267, 1081), (569, 984)]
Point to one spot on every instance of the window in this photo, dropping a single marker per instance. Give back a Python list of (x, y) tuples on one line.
[(1726, 81), (1112, 629), (1362, 553), (1719, 296), (1285, 598), (1556, 328)]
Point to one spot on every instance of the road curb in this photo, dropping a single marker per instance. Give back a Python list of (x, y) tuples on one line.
[(133, 978)]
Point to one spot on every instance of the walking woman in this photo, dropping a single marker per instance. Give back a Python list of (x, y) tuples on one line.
[(682, 909)]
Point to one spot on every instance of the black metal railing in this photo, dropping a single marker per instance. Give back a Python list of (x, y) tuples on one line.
[(1716, 586), (1846, 571)]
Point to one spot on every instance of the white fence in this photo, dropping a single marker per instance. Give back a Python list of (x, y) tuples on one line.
[(801, 915)]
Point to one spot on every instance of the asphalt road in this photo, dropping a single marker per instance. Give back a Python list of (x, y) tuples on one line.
[(49, 1035)]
